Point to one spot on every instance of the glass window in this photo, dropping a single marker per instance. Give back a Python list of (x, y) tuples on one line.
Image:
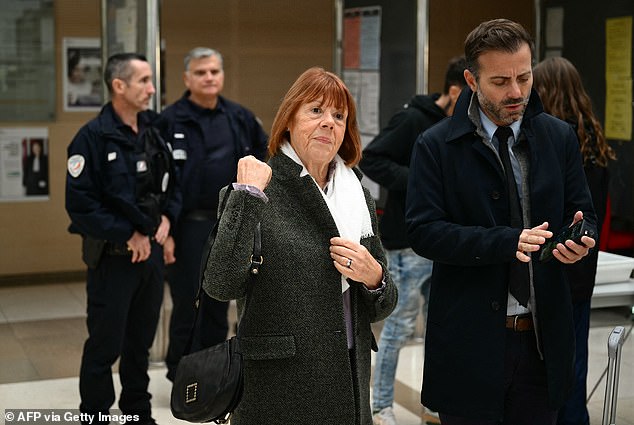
[(27, 60)]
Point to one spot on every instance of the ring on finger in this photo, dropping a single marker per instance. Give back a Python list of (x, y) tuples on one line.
[(349, 263)]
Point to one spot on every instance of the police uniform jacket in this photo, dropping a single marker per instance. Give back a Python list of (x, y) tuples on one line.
[(180, 125), (101, 182), (458, 216), (297, 363)]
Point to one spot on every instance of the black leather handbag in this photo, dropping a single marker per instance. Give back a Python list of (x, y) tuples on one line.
[(208, 383)]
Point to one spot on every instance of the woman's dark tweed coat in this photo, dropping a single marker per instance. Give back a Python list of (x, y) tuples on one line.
[(297, 364)]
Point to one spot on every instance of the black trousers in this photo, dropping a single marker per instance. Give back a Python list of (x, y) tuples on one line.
[(526, 390), (124, 301), (184, 279)]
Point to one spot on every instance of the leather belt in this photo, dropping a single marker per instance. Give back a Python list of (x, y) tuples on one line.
[(520, 323), (200, 215)]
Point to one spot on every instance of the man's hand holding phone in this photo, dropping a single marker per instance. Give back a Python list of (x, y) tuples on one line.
[(572, 244)]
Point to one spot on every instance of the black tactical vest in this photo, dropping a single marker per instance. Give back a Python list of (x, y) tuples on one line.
[(154, 174)]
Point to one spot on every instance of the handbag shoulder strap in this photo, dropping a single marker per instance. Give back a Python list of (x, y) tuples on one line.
[(211, 238), (254, 268), (256, 262)]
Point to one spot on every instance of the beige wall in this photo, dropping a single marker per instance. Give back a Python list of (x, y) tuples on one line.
[(451, 20), (33, 235), (265, 46)]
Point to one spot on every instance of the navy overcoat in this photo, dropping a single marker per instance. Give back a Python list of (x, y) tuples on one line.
[(457, 215)]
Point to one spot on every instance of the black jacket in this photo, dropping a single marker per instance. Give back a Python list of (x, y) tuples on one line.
[(297, 366), (200, 182), (386, 161), (36, 182), (101, 183)]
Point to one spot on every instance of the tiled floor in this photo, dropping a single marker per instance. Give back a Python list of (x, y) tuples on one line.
[(42, 331)]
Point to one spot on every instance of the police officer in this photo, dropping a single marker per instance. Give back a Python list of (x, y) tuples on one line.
[(121, 198), (209, 134)]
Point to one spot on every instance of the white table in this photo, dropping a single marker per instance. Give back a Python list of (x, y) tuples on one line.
[(614, 286)]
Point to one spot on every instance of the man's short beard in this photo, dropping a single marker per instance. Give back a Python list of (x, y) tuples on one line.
[(496, 112)]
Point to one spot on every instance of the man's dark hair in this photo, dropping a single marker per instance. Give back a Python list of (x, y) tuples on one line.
[(455, 73), (495, 35), (118, 66)]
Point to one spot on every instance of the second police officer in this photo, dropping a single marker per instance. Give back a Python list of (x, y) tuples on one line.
[(209, 134)]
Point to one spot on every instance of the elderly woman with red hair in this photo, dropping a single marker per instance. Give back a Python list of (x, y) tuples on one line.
[(305, 336)]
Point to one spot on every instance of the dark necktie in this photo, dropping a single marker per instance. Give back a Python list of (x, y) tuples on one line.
[(518, 271)]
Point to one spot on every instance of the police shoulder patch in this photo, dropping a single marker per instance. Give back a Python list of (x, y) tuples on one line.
[(76, 165)]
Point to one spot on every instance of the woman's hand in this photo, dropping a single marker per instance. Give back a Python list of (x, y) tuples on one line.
[(354, 261), (254, 172)]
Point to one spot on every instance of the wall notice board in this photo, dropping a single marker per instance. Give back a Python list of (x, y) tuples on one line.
[(397, 61), (379, 64)]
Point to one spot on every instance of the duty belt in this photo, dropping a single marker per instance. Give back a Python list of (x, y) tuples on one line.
[(113, 248)]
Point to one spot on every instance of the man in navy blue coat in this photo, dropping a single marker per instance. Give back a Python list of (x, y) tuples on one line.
[(491, 355)]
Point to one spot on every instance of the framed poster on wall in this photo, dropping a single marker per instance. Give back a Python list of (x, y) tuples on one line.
[(83, 85), (24, 173)]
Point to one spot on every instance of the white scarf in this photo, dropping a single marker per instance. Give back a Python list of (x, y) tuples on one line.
[(345, 200)]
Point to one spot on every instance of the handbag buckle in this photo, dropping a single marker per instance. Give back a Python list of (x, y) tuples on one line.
[(191, 392), (255, 264), (224, 420)]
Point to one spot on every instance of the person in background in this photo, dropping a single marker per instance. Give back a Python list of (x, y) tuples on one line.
[(35, 179), (80, 90), (386, 161), (208, 134), (121, 198), (306, 335), (561, 90), (487, 188)]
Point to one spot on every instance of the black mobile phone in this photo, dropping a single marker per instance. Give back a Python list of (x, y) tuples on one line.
[(573, 233)]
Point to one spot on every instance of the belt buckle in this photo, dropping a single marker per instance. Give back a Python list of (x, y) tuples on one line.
[(515, 321)]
